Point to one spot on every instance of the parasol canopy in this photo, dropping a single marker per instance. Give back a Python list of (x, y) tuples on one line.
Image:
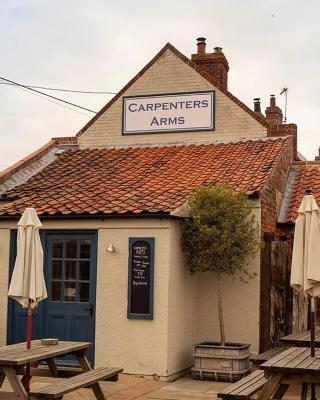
[(27, 283), (305, 270)]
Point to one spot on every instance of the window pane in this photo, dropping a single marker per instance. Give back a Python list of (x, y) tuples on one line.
[(83, 292), (85, 246), (84, 270), (56, 269), (71, 248), (55, 291), (69, 291), (57, 248), (71, 268)]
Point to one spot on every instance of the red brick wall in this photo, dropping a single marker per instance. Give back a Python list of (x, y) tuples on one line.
[(272, 193), (285, 130), (216, 65)]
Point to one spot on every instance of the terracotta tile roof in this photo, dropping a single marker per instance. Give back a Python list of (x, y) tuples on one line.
[(35, 155), (304, 176), (261, 119), (142, 180)]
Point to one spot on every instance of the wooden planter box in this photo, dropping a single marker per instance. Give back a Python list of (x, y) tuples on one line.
[(221, 363)]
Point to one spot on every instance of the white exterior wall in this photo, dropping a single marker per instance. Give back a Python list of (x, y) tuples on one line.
[(193, 314), (139, 346), (169, 74), (241, 305), (183, 307)]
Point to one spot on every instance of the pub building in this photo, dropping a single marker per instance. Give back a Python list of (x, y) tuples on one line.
[(111, 200)]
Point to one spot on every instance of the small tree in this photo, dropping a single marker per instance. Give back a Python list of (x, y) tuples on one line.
[(220, 235)]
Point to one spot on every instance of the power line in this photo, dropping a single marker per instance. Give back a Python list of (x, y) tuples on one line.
[(52, 101), (46, 94), (59, 89)]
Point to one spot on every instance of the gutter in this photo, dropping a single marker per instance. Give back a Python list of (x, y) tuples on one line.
[(100, 217)]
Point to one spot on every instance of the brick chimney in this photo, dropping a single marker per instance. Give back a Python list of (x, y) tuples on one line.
[(317, 158), (273, 112), (215, 64)]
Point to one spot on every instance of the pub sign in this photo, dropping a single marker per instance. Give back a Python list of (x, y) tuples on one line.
[(168, 113)]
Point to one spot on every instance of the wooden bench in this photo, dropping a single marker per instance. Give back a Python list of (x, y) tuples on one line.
[(267, 355), (87, 379), (245, 388)]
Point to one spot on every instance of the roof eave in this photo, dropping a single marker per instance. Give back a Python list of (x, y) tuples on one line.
[(95, 216)]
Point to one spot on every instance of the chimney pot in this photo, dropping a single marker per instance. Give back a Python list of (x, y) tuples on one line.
[(272, 101), (256, 103), (218, 49), (201, 45)]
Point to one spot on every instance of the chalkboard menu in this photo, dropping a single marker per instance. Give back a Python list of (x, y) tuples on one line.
[(140, 282)]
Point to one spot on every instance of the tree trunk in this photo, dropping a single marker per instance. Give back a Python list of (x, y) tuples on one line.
[(221, 321)]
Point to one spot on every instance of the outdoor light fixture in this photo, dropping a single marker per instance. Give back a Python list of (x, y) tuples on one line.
[(111, 248)]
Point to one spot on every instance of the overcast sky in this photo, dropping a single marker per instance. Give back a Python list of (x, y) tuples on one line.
[(101, 44)]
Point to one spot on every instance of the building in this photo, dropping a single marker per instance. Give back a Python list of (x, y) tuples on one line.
[(112, 197)]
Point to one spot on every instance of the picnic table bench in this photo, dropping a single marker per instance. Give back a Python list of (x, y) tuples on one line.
[(14, 358), (245, 388), (86, 379), (292, 366), (300, 339)]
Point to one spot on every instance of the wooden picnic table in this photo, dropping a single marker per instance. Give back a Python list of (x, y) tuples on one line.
[(301, 339), (14, 358), (294, 366)]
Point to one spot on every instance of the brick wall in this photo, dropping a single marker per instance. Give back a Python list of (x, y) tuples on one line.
[(215, 64), (169, 74), (285, 130), (272, 193)]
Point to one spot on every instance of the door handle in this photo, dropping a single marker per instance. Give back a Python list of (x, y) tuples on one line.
[(90, 309)]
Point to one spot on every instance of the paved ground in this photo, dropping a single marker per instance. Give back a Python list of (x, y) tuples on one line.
[(130, 387)]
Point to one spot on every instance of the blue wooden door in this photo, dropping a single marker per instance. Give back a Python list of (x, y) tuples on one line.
[(70, 273), (71, 282)]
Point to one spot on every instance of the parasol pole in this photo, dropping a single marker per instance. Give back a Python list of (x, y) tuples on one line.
[(312, 330), (312, 326), (29, 336), (29, 325)]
